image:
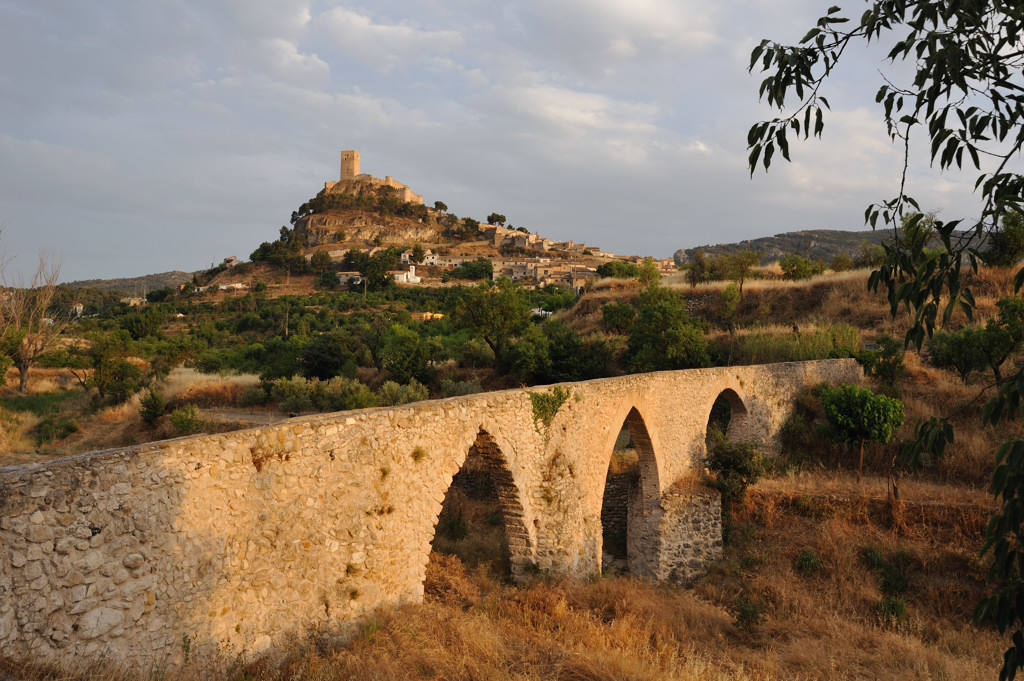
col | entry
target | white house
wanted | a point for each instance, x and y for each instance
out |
(403, 277)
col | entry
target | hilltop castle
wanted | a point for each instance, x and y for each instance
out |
(354, 182)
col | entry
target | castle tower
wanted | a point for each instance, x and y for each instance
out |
(349, 164)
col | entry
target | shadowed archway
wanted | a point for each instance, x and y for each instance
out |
(481, 519)
(727, 419)
(630, 503)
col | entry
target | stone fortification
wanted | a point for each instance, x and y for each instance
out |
(239, 540)
(352, 181)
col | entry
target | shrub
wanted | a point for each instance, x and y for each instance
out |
(797, 267)
(664, 336)
(342, 393)
(841, 262)
(618, 317)
(53, 428)
(749, 613)
(253, 395)
(152, 406)
(736, 466)
(885, 363)
(891, 608)
(392, 393)
(186, 420)
(808, 562)
(292, 394)
(453, 388)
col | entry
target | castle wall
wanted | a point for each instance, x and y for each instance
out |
(238, 540)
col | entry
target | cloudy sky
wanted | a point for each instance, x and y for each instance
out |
(138, 137)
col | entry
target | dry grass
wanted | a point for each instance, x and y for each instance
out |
(189, 385)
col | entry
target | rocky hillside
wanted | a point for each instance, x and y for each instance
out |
(131, 286)
(362, 225)
(820, 244)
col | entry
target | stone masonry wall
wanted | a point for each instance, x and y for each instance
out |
(239, 540)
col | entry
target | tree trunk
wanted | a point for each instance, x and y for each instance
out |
(22, 376)
(860, 461)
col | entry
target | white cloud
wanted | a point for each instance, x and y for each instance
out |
(578, 111)
(384, 46)
(284, 61)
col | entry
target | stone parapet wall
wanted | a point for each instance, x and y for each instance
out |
(239, 540)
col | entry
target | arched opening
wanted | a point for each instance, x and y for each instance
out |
(631, 494)
(481, 520)
(727, 418)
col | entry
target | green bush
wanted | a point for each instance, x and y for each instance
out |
(53, 428)
(808, 562)
(891, 608)
(841, 262)
(186, 420)
(885, 363)
(453, 388)
(664, 336)
(292, 394)
(252, 396)
(618, 317)
(797, 267)
(152, 406)
(392, 393)
(736, 466)
(342, 394)
(748, 612)
(618, 269)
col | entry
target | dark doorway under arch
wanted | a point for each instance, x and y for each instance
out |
(630, 498)
(481, 519)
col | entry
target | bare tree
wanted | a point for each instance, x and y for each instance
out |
(27, 329)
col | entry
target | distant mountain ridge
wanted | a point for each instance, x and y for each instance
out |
(820, 244)
(135, 286)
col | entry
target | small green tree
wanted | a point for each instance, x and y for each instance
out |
(664, 336)
(417, 254)
(647, 272)
(841, 262)
(152, 407)
(797, 267)
(858, 414)
(957, 350)
(440, 206)
(320, 262)
(739, 264)
(496, 219)
(494, 312)
(1006, 245)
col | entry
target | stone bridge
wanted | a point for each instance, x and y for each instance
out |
(239, 540)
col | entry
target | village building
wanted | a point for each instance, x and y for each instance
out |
(405, 277)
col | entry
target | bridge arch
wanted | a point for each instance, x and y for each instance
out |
(728, 414)
(484, 474)
(630, 505)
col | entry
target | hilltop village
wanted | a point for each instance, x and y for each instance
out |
(360, 213)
